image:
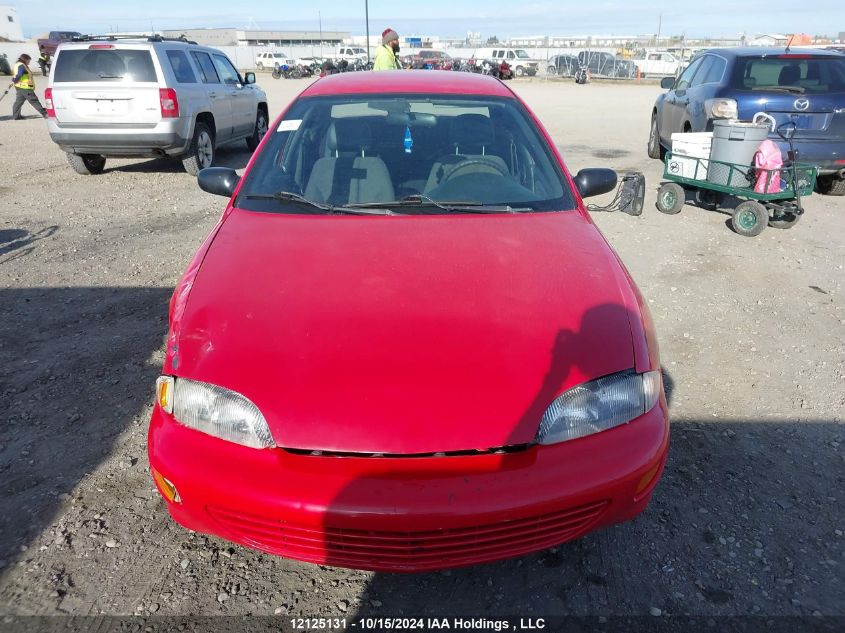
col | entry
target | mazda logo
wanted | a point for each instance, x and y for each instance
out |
(801, 104)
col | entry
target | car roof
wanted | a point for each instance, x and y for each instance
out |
(408, 82)
(766, 51)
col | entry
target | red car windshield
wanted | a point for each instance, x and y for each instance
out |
(359, 149)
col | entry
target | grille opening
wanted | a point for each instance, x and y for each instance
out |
(496, 450)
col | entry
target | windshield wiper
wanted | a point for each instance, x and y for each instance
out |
(289, 196)
(450, 206)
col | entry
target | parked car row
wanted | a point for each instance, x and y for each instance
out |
(597, 63)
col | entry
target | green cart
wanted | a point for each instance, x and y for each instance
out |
(779, 209)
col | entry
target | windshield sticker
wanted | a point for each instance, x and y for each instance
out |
(289, 126)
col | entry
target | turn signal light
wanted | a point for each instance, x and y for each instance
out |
(164, 393)
(166, 487)
(647, 478)
(169, 103)
(48, 102)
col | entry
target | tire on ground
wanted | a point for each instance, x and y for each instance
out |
(200, 154)
(655, 149)
(750, 218)
(87, 164)
(670, 198)
(830, 186)
(258, 131)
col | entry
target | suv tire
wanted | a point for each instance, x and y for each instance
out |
(201, 152)
(261, 126)
(655, 149)
(87, 164)
(519, 72)
(830, 186)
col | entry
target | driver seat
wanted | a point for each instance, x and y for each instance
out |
(471, 135)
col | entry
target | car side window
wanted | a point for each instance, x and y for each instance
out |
(716, 71)
(181, 67)
(207, 72)
(226, 71)
(511, 55)
(686, 77)
(703, 70)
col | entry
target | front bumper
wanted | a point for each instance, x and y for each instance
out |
(169, 136)
(409, 513)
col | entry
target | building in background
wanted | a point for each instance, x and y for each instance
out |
(769, 39)
(10, 26)
(244, 37)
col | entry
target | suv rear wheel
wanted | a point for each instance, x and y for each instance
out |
(830, 186)
(87, 164)
(201, 152)
(259, 131)
(520, 71)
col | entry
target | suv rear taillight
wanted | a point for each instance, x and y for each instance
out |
(169, 103)
(48, 101)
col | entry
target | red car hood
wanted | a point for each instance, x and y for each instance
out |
(412, 334)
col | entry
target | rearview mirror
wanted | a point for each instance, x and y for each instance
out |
(667, 83)
(249, 78)
(595, 181)
(221, 181)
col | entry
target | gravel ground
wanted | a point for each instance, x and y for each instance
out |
(747, 520)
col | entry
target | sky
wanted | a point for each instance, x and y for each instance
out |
(448, 18)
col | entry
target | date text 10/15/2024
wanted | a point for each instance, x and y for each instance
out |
(418, 624)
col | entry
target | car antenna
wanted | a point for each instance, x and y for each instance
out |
(789, 42)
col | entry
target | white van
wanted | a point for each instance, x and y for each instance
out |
(519, 60)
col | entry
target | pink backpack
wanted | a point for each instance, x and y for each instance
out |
(768, 158)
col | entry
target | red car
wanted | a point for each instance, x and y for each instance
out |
(405, 346)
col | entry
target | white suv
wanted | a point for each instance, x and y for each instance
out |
(113, 96)
(272, 60)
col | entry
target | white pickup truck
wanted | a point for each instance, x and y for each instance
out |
(348, 53)
(662, 63)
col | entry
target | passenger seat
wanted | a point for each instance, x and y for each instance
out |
(348, 175)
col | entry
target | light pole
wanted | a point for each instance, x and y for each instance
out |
(320, 20)
(367, 19)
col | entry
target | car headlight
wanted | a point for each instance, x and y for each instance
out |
(721, 108)
(599, 405)
(214, 410)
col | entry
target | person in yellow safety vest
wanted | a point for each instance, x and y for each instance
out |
(44, 63)
(386, 54)
(25, 88)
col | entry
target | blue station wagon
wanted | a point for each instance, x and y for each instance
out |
(802, 86)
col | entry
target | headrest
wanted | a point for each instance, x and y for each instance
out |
(348, 135)
(472, 129)
(789, 75)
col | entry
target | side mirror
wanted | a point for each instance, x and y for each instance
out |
(594, 182)
(249, 78)
(221, 181)
(667, 83)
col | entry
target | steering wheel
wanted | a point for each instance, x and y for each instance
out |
(473, 162)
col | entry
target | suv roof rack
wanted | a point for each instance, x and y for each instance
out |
(149, 38)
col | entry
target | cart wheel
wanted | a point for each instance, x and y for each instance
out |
(784, 221)
(750, 218)
(707, 199)
(670, 198)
